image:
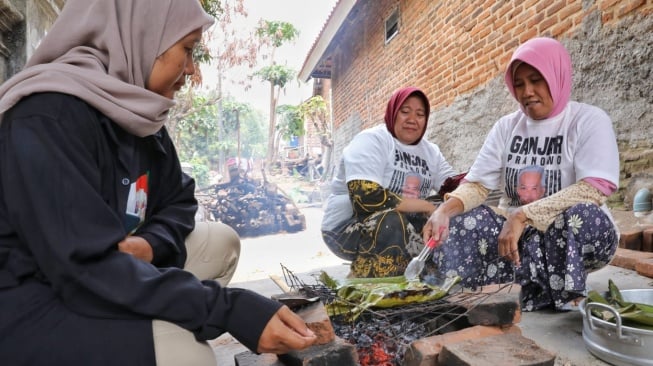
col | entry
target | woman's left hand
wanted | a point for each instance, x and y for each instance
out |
(138, 247)
(510, 234)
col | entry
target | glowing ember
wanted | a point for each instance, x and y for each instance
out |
(375, 355)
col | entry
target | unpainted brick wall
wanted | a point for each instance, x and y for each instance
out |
(456, 51)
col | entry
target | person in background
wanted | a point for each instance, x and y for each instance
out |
(368, 219)
(549, 245)
(531, 184)
(96, 215)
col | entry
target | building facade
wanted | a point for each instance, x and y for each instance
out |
(457, 52)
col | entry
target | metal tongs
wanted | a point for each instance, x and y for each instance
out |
(416, 265)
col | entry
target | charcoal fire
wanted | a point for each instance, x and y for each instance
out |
(383, 336)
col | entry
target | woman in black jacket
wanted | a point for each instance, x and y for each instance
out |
(95, 210)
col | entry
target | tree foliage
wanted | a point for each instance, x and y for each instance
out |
(244, 130)
(277, 75)
(315, 111)
(275, 34)
(290, 121)
(213, 7)
(195, 121)
(202, 133)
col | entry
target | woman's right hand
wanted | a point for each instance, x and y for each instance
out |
(284, 332)
(437, 226)
(510, 234)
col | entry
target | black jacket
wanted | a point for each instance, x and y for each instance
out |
(67, 296)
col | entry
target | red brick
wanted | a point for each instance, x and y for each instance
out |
(631, 239)
(626, 258)
(504, 349)
(645, 267)
(628, 6)
(491, 305)
(605, 4)
(424, 352)
(318, 321)
(647, 240)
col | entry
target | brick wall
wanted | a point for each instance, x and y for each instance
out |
(449, 48)
(456, 52)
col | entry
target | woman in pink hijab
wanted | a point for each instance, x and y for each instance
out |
(551, 244)
(378, 200)
(101, 262)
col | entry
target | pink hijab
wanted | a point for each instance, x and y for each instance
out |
(102, 51)
(552, 60)
(394, 104)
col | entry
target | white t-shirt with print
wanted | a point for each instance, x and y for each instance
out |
(576, 144)
(373, 154)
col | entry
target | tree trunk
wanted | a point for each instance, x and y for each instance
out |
(273, 102)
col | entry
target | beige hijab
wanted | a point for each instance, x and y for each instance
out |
(102, 51)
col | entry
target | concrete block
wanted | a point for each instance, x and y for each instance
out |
(503, 349)
(424, 352)
(626, 258)
(249, 358)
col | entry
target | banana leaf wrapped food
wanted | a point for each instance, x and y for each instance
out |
(358, 294)
(636, 315)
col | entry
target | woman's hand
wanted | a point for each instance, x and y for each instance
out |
(138, 247)
(437, 227)
(510, 234)
(284, 332)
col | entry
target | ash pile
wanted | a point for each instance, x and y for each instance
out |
(251, 207)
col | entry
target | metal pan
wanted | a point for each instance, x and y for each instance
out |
(614, 342)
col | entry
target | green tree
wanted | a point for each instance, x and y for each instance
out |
(274, 34)
(289, 123)
(316, 111)
(203, 134)
(223, 47)
(244, 126)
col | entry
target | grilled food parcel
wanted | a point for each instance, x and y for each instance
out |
(356, 295)
(636, 315)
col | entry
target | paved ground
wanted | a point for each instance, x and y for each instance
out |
(304, 254)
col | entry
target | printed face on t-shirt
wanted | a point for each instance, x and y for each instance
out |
(529, 187)
(411, 186)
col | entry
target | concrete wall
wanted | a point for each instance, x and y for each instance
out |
(23, 23)
(457, 51)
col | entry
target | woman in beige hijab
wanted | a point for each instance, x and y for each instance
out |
(95, 210)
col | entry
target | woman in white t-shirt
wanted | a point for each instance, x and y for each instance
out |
(548, 245)
(378, 205)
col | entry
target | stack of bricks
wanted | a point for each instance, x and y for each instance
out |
(635, 250)
(493, 338)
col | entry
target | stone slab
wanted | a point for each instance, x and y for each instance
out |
(425, 351)
(503, 349)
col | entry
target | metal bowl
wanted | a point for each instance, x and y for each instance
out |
(614, 342)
